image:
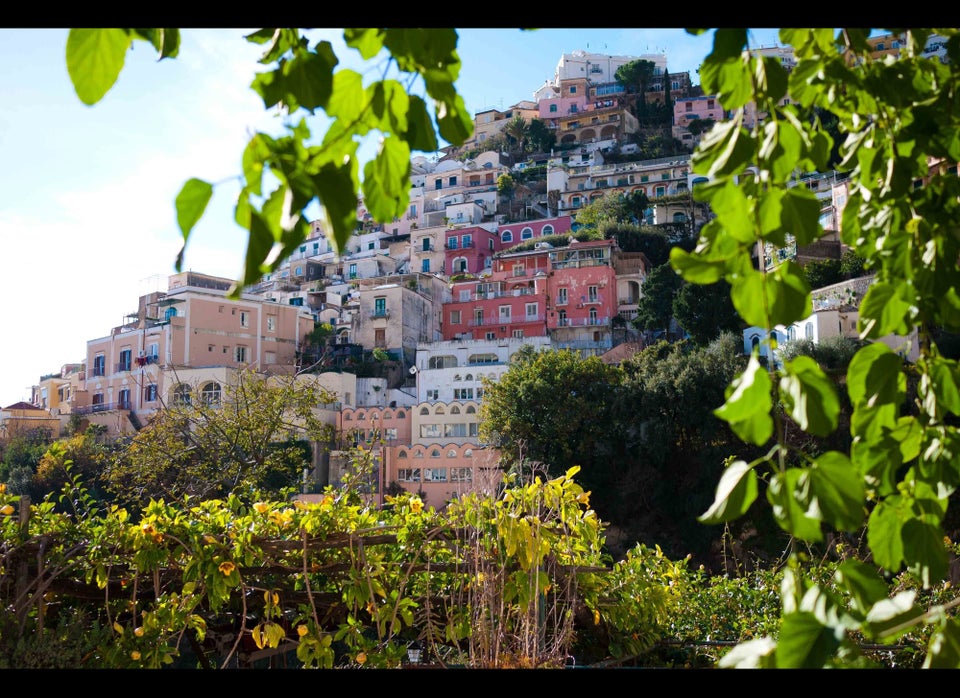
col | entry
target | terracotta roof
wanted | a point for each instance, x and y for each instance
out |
(22, 406)
(621, 352)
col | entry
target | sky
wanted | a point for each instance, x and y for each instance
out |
(87, 217)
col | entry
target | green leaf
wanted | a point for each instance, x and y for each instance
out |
(736, 491)
(883, 532)
(943, 374)
(95, 58)
(420, 133)
(874, 376)
(694, 268)
(752, 654)
(805, 643)
(886, 309)
(339, 199)
(733, 211)
(783, 293)
(809, 397)
(724, 150)
(190, 203)
(259, 244)
(801, 214)
(748, 404)
(862, 582)
(943, 649)
(838, 488)
(368, 42)
(386, 180)
(794, 509)
(923, 551)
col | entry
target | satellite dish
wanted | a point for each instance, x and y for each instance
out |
(413, 370)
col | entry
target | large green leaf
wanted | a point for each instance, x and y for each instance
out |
(190, 203)
(923, 551)
(890, 618)
(887, 309)
(874, 376)
(724, 150)
(805, 643)
(809, 396)
(748, 404)
(95, 58)
(733, 211)
(838, 488)
(801, 215)
(794, 509)
(736, 491)
(386, 180)
(759, 653)
(883, 532)
(943, 380)
(780, 297)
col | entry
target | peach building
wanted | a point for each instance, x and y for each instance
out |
(194, 325)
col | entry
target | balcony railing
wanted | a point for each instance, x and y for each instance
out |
(380, 314)
(583, 322)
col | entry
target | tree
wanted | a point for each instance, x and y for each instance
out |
(256, 436)
(895, 481)
(541, 136)
(517, 131)
(655, 306)
(520, 412)
(635, 76)
(706, 312)
(616, 207)
(822, 272)
(700, 126)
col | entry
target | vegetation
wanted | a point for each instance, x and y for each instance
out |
(863, 523)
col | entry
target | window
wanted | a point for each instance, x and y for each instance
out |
(490, 335)
(408, 475)
(467, 241)
(452, 243)
(125, 357)
(553, 108)
(240, 354)
(453, 181)
(562, 318)
(526, 233)
(435, 474)
(660, 191)
(352, 271)
(98, 398)
(150, 393)
(592, 296)
(562, 296)
(480, 359)
(99, 365)
(506, 236)
(123, 402)
(454, 317)
(433, 394)
(430, 431)
(271, 323)
(244, 319)
(380, 306)
(210, 393)
(573, 89)
(425, 265)
(478, 316)
(593, 316)
(461, 474)
(390, 433)
(461, 394)
(153, 352)
(181, 394)
(517, 334)
(547, 230)
(504, 313)
(531, 311)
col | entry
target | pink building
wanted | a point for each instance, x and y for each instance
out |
(192, 326)
(516, 233)
(469, 250)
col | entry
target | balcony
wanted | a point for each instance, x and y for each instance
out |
(380, 313)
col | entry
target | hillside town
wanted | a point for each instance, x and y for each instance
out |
(409, 324)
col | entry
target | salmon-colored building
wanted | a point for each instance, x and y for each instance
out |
(22, 418)
(132, 371)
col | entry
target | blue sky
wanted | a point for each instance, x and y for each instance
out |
(87, 217)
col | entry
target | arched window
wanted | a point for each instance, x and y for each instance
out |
(755, 342)
(387, 415)
(445, 361)
(526, 233)
(401, 414)
(680, 217)
(402, 454)
(471, 409)
(361, 416)
(435, 453)
(451, 453)
(506, 236)
(347, 417)
(468, 377)
(468, 453)
(454, 410)
(181, 394)
(547, 230)
(418, 454)
(210, 393)
(424, 410)
(440, 410)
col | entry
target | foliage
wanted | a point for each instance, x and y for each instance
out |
(655, 307)
(624, 208)
(832, 353)
(700, 126)
(896, 479)
(705, 312)
(541, 136)
(517, 133)
(81, 454)
(822, 272)
(500, 581)
(20, 458)
(520, 412)
(206, 448)
(506, 185)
